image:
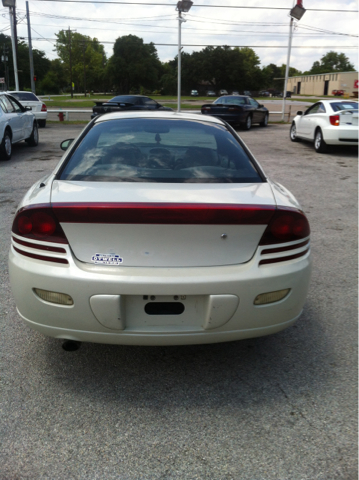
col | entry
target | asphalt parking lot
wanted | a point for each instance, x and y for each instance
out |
(282, 407)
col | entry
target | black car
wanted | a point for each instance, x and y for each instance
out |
(125, 103)
(238, 110)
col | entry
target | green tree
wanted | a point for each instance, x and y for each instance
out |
(87, 56)
(41, 63)
(331, 62)
(55, 80)
(133, 65)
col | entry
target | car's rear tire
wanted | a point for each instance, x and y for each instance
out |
(42, 123)
(6, 146)
(265, 121)
(293, 133)
(248, 123)
(319, 143)
(33, 140)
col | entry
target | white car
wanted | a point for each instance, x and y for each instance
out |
(328, 122)
(38, 107)
(194, 93)
(17, 123)
(158, 229)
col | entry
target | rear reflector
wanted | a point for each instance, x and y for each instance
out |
(283, 259)
(54, 297)
(271, 297)
(164, 213)
(41, 257)
(39, 246)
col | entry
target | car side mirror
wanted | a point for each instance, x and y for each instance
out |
(66, 143)
(260, 106)
(299, 112)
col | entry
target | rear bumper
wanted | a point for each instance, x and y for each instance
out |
(131, 325)
(40, 115)
(232, 119)
(341, 135)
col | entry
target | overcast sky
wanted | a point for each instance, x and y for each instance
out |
(265, 30)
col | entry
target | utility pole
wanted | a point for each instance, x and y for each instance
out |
(84, 44)
(72, 93)
(32, 74)
(5, 59)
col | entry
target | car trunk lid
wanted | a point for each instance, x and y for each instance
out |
(174, 226)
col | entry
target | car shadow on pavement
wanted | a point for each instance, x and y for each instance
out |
(234, 374)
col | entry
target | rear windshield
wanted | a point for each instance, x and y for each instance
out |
(160, 150)
(124, 99)
(25, 96)
(231, 100)
(337, 106)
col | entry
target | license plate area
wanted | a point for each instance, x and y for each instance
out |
(148, 312)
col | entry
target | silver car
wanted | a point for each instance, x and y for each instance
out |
(17, 123)
(158, 229)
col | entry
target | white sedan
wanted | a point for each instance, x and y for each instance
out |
(17, 123)
(328, 122)
(158, 229)
(38, 107)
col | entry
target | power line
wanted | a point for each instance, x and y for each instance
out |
(196, 5)
(209, 45)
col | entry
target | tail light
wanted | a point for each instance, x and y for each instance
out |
(44, 108)
(206, 108)
(234, 109)
(38, 223)
(334, 120)
(286, 225)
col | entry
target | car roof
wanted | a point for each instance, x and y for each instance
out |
(158, 115)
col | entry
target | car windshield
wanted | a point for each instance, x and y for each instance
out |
(25, 96)
(337, 106)
(231, 100)
(160, 150)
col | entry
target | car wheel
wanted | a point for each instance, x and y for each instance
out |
(248, 124)
(6, 146)
(293, 133)
(319, 143)
(265, 121)
(33, 140)
(42, 123)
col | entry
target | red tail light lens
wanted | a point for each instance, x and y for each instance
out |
(38, 223)
(334, 120)
(44, 108)
(234, 109)
(286, 225)
(206, 108)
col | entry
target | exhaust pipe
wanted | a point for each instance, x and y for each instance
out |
(71, 345)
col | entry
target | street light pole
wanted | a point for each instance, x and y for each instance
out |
(11, 4)
(296, 13)
(180, 20)
(182, 6)
(287, 67)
